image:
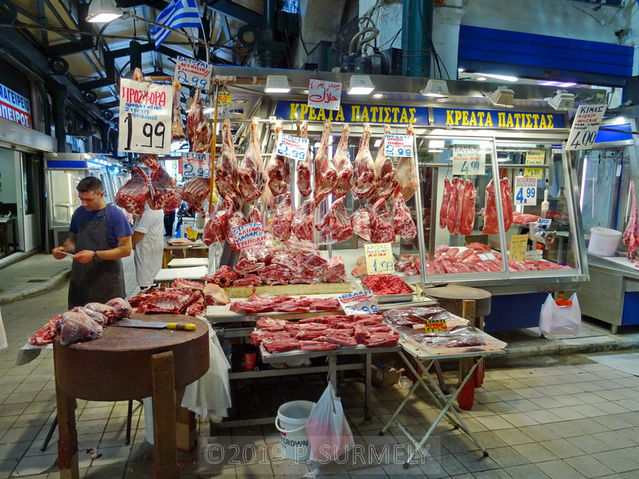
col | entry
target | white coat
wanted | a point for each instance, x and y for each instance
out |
(149, 250)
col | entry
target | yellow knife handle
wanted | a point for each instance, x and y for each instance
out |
(184, 326)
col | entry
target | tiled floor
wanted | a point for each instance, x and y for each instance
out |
(559, 417)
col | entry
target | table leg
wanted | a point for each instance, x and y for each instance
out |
(68, 436)
(163, 374)
(367, 387)
(186, 432)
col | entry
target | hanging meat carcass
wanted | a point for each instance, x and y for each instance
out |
(278, 169)
(402, 221)
(195, 192)
(451, 221)
(443, 210)
(336, 223)
(251, 171)
(281, 226)
(150, 161)
(460, 205)
(325, 173)
(361, 223)
(302, 225)
(235, 220)
(383, 228)
(364, 167)
(342, 163)
(166, 195)
(468, 209)
(304, 167)
(254, 215)
(406, 174)
(177, 126)
(631, 234)
(491, 225)
(506, 202)
(384, 172)
(226, 167)
(133, 194)
(197, 128)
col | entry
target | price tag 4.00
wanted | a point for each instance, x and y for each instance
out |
(360, 302)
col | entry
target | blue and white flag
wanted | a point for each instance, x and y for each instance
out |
(177, 14)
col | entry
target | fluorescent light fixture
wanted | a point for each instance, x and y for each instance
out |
(360, 85)
(377, 143)
(378, 95)
(461, 70)
(562, 100)
(436, 144)
(566, 84)
(549, 83)
(481, 78)
(508, 78)
(103, 11)
(502, 96)
(435, 151)
(277, 84)
(435, 89)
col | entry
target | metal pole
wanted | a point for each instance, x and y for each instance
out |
(418, 214)
(417, 25)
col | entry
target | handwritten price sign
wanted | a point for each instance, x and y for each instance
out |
(468, 161)
(398, 145)
(250, 234)
(535, 157)
(292, 147)
(379, 258)
(195, 165)
(435, 325)
(525, 191)
(361, 302)
(324, 94)
(145, 117)
(585, 126)
(193, 73)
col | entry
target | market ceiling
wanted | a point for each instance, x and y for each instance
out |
(97, 54)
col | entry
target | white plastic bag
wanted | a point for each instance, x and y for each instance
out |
(328, 431)
(555, 320)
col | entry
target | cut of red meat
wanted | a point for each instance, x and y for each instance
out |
(248, 280)
(247, 265)
(506, 202)
(226, 167)
(250, 173)
(381, 340)
(382, 284)
(278, 170)
(99, 318)
(260, 335)
(517, 265)
(150, 161)
(277, 345)
(73, 327)
(224, 276)
(304, 167)
(385, 180)
(336, 223)
(339, 340)
(177, 126)
(270, 324)
(443, 210)
(324, 304)
(215, 227)
(364, 167)
(166, 195)
(383, 229)
(334, 272)
(281, 226)
(316, 346)
(196, 126)
(187, 283)
(460, 205)
(108, 311)
(274, 274)
(195, 192)
(523, 218)
(325, 173)
(235, 220)
(361, 223)
(342, 162)
(406, 174)
(254, 215)
(468, 209)
(133, 194)
(302, 224)
(196, 309)
(491, 226)
(452, 207)
(479, 247)
(403, 222)
(46, 334)
(630, 235)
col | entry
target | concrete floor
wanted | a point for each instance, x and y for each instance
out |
(539, 415)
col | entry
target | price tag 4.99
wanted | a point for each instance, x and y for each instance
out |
(468, 161)
(525, 191)
(292, 147)
(360, 302)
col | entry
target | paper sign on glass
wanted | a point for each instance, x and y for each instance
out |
(398, 145)
(379, 258)
(360, 302)
(535, 157)
(292, 147)
(195, 165)
(518, 244)
(468, 161)
(585, 127)
(324, 94)
(193, 72)
(525, 191)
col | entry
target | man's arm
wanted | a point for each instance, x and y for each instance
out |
(137, 237)
(67, 247)
(122, 250)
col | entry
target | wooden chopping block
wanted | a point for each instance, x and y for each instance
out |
(451, 297)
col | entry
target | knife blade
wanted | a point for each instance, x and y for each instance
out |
(137, 323)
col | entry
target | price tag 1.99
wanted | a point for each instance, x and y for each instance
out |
(398, 145)
(324, 94)
(145, 117)
(379, 258)
(468, 161)
(360, 302)
(525, 191)
(195, 165)
(292, 147)
(193, 72)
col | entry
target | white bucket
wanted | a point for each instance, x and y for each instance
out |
(291, 423)
(603, 241)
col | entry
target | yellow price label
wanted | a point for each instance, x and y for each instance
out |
(191, 233)
(379, 258)
(535, 157)
(435, 325)
(518, 245)
(224, 99)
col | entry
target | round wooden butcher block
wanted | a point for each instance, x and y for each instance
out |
(452, 295)
(117, 366)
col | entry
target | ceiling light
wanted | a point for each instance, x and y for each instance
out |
(435, 89)
(496, 76)
(436, 144)
(566, 84)
(562, 100)
(277, 84)
(481, 78)
(360, 85)
(502, 96)
(549, 83)
(103, 11)
(379, 95)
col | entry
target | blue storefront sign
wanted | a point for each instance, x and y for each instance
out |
(353, 113)
(497, 119)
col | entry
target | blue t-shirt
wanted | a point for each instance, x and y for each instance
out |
(116, 224)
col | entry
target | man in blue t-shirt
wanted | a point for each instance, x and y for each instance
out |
(99, 236)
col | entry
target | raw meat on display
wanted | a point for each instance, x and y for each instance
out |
(223, 277)
(109, 312)
(73, 327)
(383, 229)
(491, 226)
(304, 167)
(251, 171)
(166, 195)
(406, 173)
(99, 318)
(195, 192)
(443, 210)
(187, 283)
(452, 207)
(215, 295)
(467, 219)
(383, 284)
(409, 264)
(460, 205)
(197, 128)
(364, 167)
(342, 162)
(317, 346)
(46, 334)
(361, 223)
(334, 272)
(281, 226)
(216, 224)
(385, 180)
(277, 345)
(254, 215)
(524, 218)
(336, 223)
(247, 281)
(177, 126)
(403, 223)
(121, 306)
(226, 166)
(302, 224)
(133, 194)
(506, 202)
(278, 169)
(235, 220)
(325, 173)
(630, 235)
(150, 161)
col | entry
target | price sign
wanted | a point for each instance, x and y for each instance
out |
(398, 145)
(518, 244)
(324, 94)
(435, 325)
(486, 256)
(250, 234)
(585, 126)
(193, 72)
(468, 161)
(525, 191)
(145, 117)
(535, 157)
(360, 302)
(195, 165)
(379, 258)
(292, 147)
(544, 223)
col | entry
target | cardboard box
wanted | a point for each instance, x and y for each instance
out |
(384, 377)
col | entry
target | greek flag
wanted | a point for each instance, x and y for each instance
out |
(177, 14)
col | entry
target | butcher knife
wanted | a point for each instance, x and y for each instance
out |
(137, 323)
